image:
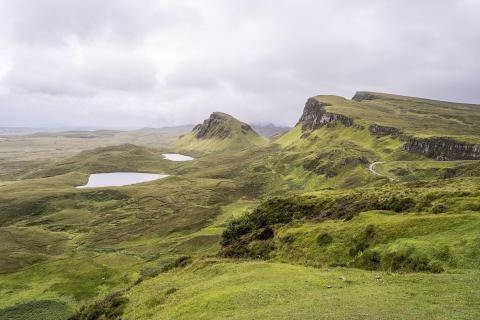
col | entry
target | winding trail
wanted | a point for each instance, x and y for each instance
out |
(371, 168)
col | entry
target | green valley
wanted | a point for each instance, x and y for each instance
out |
(299, 225)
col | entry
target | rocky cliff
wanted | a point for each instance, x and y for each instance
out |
(378, 130)
(363, 95)
(442, 148)
(315, 116)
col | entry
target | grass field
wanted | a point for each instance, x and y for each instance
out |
(257, 290)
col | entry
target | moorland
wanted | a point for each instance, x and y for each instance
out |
(369, 208)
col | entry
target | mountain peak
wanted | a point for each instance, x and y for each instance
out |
(220, 126)
(219, 132)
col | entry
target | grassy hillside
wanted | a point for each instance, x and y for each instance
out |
(415, 116)
(249, 290)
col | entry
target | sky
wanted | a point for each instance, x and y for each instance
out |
(119, 63)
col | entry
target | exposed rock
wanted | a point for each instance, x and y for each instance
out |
(315, 116)
(438, 148)
(215, 126)
(363, 95)
(442, 148)
(378, 130)
(246, 128)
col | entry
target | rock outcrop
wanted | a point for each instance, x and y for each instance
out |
(363, 95)
(218, 126)
(315, 116)
(378, 130)
(442, 148)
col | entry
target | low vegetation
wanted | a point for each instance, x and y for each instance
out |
(290, 228)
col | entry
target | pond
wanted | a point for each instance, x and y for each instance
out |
(176, 157)
(117, 179)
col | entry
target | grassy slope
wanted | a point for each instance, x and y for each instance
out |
(251, 290)
(449, 240)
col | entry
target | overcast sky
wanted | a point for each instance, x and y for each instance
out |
(117, 63)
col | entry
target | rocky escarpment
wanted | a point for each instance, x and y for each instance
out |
(438, 148)
(315, 116)
(219, 126)
(378, 130)
(363, 95)
(442, 148)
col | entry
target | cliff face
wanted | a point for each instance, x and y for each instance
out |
(363, 95)
(442, 148)
(315, 116)
(378, 130)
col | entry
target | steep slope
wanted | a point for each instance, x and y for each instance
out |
(220, 132)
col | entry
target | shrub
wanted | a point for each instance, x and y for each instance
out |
(111, 307)
(439, 208)
(370, 260)
(408, 260)
(260, 249)
(324, 239)
(363, 241)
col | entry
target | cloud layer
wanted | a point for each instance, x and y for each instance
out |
(154, 63)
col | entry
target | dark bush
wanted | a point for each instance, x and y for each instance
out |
(363, 241)
(439, 208)
(260, 249)
(111, 307)
(401, 204)
(408, 260)
(265, 233)
(370, 260)
(443, 253)
(324, 239)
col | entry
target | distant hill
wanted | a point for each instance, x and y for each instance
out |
(220, 132)
(269, 130)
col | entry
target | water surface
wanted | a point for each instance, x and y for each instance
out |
(176, 157)
(117, 179)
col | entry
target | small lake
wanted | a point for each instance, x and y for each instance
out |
(118, 179)
(176, 157)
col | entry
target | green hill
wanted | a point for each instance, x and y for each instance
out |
(218, 133)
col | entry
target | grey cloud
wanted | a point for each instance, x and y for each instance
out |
(171, 62)
(53, 72)
(53, 21)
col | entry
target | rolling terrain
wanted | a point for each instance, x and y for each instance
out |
(295, 226)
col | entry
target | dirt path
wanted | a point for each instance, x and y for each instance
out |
(371, 168)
